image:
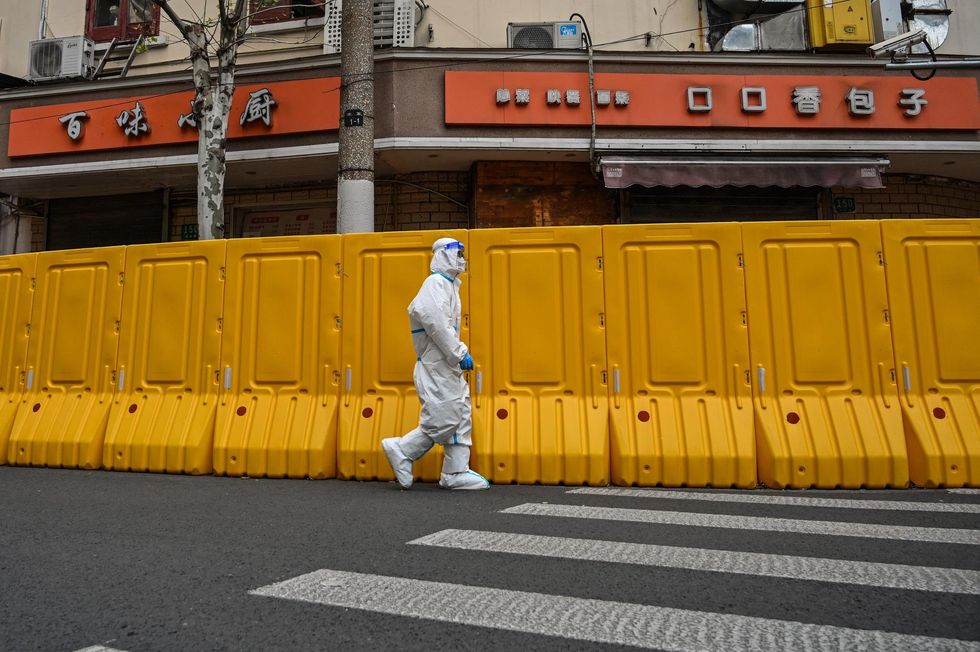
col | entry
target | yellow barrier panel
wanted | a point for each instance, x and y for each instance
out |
(382, 274)
(933, 270)
(163, 411)
(71, 359)
(541, 412)
(16, 299)
(280, 347)
(826, 407)
(678, 356)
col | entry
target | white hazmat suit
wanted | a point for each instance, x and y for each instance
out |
(441, 356)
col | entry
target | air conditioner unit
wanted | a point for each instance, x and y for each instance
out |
(545, 36)
(394, 24)
(60, 58)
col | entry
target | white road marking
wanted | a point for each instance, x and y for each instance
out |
(833, 528)
(793, 501)
(896, 576)
(964, 490)
(98, 648)
(582, 619)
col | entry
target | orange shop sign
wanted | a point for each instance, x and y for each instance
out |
(289, 107)
(706, 101)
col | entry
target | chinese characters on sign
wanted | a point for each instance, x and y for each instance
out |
(259, 107)
(805, 99)
(73, 123)
(133, 122)
(522, 97)
(187, 119)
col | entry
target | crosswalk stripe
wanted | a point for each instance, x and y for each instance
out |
(596, 621)
(896, 576)
(864, 530)
(793, 501)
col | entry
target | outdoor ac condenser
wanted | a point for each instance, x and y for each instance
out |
(60, 58)
(545, 36)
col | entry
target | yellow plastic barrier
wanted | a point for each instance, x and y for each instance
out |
(541, 412)
(382, 274)
(826, 407)
(163, 412)
(71, 359)
(16, 299)
(681, 411)
(934, 293)
(280, 348)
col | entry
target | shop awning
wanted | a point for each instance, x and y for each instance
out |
(719, 171)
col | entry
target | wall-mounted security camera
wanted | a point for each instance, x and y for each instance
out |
(897, 43)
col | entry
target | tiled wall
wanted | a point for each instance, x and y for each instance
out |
(913, 197)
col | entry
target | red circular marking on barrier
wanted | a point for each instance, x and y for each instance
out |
(939, 413)
(643, 416)
(501, 413)
(37, 406)
(793, 418)
(132, 408)
(367, 412)
(241, 411)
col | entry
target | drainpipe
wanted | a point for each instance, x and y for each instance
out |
(43, 25)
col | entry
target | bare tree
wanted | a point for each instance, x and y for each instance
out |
(213, 57)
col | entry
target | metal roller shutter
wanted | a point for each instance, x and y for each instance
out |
(105, 221)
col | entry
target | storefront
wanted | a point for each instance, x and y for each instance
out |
(478, 139)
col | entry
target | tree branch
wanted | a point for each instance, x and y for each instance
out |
(181, 26)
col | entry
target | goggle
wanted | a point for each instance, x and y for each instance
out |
(458, 246)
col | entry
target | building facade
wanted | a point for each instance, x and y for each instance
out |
(485, 120)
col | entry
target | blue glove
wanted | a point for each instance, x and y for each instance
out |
(466, 364)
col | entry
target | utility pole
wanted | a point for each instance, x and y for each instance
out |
(355, 157)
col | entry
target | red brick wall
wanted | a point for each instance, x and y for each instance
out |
(914, 197)
(522, 193)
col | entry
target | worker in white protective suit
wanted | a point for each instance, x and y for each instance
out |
(441, 358)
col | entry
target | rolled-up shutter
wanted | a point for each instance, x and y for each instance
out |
(105, 221)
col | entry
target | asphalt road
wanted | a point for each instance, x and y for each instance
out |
(142, 562)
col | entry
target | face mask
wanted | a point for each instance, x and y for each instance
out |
(458, 261)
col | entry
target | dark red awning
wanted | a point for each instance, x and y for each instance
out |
(718, 171)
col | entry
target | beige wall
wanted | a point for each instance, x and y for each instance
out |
(20, 21)
(476, 23)
(964, 28)
(455, 24)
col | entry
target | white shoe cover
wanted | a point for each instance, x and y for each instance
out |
(470, 480)
(400, 463)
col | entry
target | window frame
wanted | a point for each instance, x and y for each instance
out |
(124, 30)
(282, 12)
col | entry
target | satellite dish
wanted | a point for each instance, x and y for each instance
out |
(931, 16)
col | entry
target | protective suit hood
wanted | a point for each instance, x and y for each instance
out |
(447, 261)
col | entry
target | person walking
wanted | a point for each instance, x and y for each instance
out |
(441, 359)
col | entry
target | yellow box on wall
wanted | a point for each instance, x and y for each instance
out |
(840, 23)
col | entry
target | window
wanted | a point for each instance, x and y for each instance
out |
(274, 11)
(121, 19)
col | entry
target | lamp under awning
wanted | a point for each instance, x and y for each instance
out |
(716, 172)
